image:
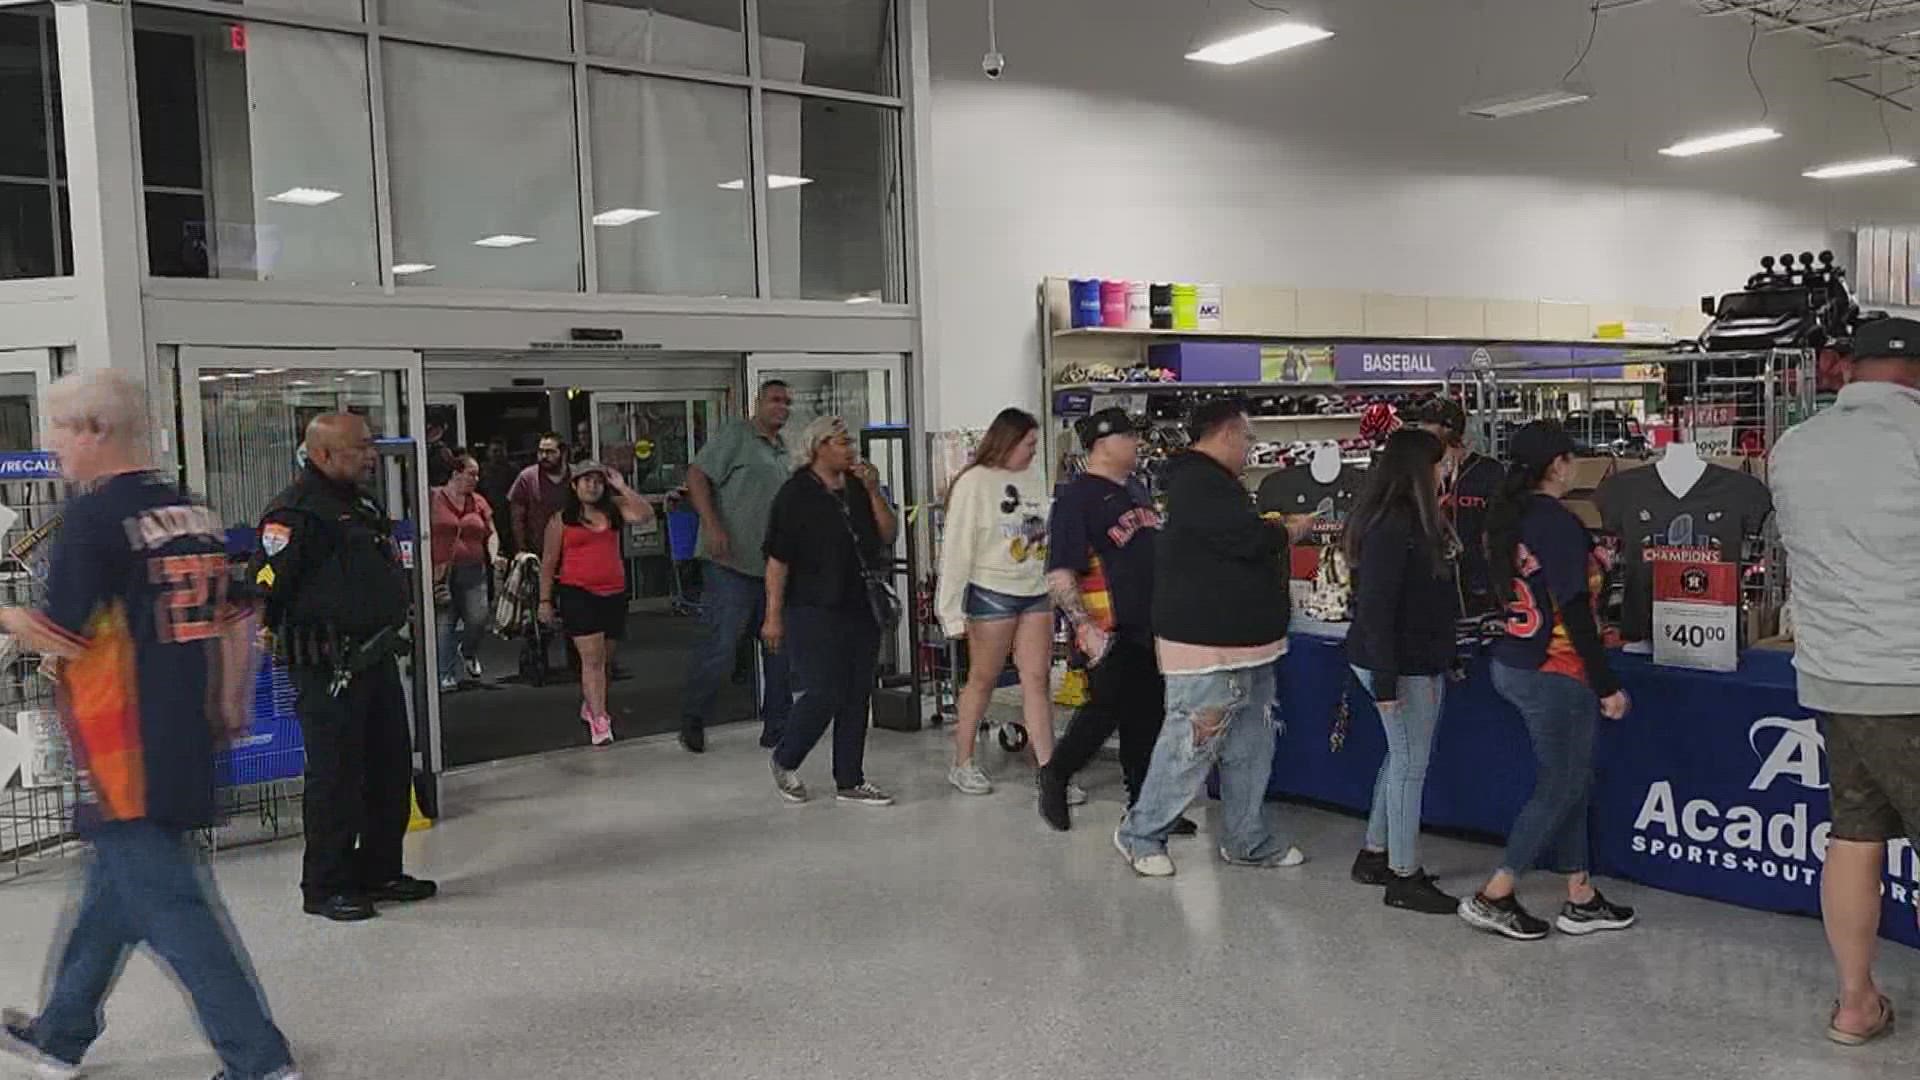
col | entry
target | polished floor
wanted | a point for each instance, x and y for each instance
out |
(642, 913)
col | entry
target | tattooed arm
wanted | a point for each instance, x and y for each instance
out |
(1065, 589)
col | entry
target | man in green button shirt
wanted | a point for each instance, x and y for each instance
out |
(732, 483)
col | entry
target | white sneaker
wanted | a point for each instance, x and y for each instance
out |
(473, 667)
(1293, 856)
(1076, 795)
(791, 789)
(969, 779)
(1144, 865)
(14, 1046)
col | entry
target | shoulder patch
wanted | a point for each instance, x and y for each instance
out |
(275, 537)
(264, 578)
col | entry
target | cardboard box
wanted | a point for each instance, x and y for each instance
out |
(1584, 509)
(1208, 361)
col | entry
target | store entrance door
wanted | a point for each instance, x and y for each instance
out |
(243, 418)
(23, 378)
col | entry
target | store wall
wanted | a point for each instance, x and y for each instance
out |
(1347, 164)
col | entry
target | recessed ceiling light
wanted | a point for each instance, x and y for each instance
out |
(1252, 46)
(625, 215)
(209, 378)
(863, 299)
(1870, 167)
(238, 374)
(301, 382)
(269, 371)
(1531, 101)
(503, 240)
(304, 196)
(1726, 140)
(775, 181)
(403, 269)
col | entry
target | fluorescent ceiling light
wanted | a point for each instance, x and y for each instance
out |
(775, 181)
(503, 240)
(1727, 140)
(209, 378)
(1872, 166)
(624, 215)
(304, 196)
(1531, 101)
(863, 299)
(1273, 39)
(403, 269)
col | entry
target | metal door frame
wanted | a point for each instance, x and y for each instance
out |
(406, 378)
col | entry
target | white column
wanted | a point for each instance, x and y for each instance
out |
(103, 183)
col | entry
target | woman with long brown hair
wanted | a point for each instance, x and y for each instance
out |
(993, 587)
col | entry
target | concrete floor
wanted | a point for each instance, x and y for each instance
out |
(642, 913)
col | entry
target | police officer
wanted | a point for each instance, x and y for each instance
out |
(337, 602)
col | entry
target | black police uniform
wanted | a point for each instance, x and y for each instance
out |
(336, 599)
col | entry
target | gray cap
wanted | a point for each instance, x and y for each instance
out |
(588, 468)
(1887, 339)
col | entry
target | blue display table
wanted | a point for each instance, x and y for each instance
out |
(1713, 786)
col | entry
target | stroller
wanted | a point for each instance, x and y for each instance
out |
(516, 614)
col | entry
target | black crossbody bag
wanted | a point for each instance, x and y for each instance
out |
(882, 601)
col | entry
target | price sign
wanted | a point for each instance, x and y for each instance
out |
(1696, 613)
(1711, 428)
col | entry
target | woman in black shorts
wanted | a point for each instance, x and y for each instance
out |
(583, 579)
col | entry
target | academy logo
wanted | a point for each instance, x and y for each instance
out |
(1799, 752)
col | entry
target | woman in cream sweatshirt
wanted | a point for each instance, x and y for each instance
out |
(993, 586)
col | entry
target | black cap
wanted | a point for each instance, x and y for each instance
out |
(1887, 339)
(1442, 411)
(1538, 444)
(1107, 422)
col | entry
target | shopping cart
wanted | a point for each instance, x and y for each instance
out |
(683, 546)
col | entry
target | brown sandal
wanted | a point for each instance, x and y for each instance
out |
(1862, 1038)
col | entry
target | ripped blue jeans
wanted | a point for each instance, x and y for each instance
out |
(1215, 719)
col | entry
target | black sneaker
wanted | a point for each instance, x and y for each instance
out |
(1370, 868)
(403, 890)
(1594, 916)
(1184, 826)
(1504, 917)
(694, 739)
(1053, 799)
(341, 908)
(16, 1044)
(1417, 892)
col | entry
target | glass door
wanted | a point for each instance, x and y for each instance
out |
(24, 375)
(650, 438)
(243, 420)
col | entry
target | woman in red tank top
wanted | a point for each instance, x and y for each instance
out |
(583, 579)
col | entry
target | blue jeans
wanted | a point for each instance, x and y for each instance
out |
(1394, 824)
(462, 625)
(1216, 719)
(148, 885)
(735, 604)
(833, 655)
(1563, 718)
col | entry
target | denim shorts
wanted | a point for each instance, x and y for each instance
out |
(985, 605)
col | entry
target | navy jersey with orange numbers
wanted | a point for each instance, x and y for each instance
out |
(137, 584)
(1557, 564)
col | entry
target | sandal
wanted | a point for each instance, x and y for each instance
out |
(1862, 1038)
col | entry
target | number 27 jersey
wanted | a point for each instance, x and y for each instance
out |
(1558, 564)
(137, 591)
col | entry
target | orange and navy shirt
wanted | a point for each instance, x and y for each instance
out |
(1558, 564)
(137, 583)
(1103, 533)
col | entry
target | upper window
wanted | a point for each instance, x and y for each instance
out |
(256, 150)
(834, 200)
(545, 25)
(35, 239)
(706, 35)
(846, 45)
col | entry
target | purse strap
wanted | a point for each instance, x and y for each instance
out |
(846, 518)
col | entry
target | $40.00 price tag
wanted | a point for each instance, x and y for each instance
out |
(1696, 614)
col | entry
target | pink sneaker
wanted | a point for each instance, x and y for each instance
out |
(601, 729)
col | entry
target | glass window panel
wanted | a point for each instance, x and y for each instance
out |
(481, 154)
(26, 231)
(23, 99)
(834, 209)
(254, 421)
(18, 393)
(289, 148)
(177, 235)
(704, 34)
(844, 44)
(66, 231)
(673, 214)
(349, 10)
(167, 68)
(528, 24)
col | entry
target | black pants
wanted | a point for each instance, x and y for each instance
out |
(1125, 693)
(359, 779)
(831, 655)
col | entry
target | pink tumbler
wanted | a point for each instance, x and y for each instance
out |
(1113, 303)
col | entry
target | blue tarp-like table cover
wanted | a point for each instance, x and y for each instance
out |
(1713, 786)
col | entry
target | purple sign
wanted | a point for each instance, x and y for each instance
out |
(1414, 362)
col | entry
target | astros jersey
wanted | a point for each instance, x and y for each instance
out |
(1712, 518)
(1557, 565)
(137, 582)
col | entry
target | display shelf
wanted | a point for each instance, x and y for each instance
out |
(1326, 387)
(1094, 332)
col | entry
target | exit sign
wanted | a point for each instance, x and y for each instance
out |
(237, 37)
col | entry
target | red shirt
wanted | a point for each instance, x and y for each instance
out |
(590, 560)
(460, 531)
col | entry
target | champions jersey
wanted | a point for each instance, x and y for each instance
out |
(1556, 564)
(137, 585)
(1709, 522)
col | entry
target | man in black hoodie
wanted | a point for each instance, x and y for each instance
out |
(1220, 615)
